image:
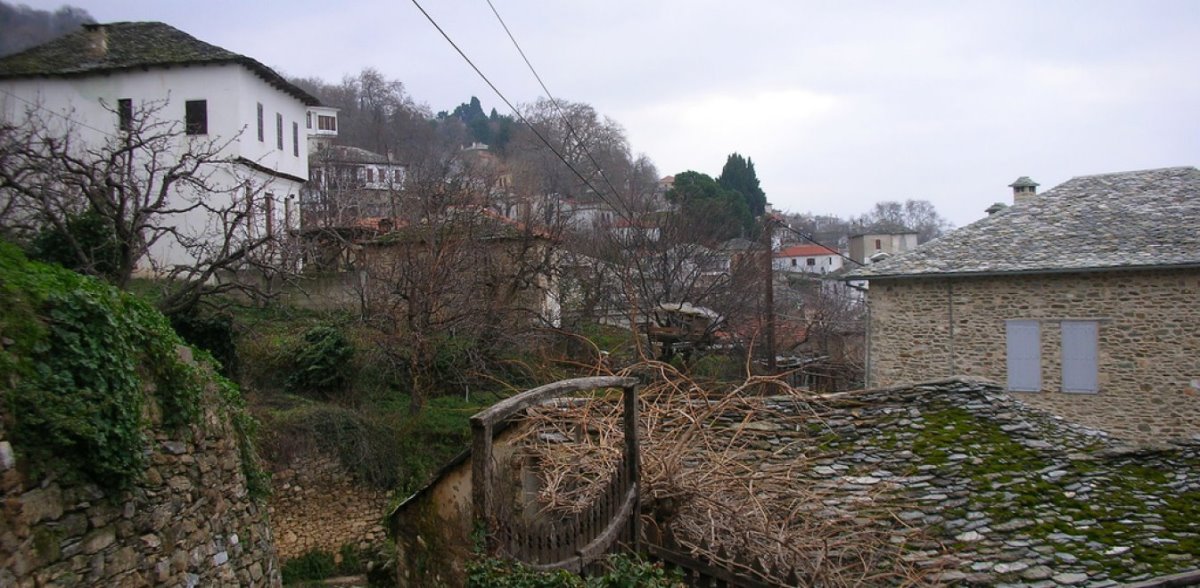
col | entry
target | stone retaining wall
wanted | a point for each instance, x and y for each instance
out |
(1149, 341)
(188, 522)
(316, 505)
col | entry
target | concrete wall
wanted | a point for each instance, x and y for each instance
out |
(1149, 341)
(188, 522)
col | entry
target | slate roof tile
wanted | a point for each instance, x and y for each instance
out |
(1138, 219)
(118, 46)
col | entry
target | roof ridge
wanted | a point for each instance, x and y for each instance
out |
(1137, 171)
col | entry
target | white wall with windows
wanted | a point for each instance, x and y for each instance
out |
(220, 103)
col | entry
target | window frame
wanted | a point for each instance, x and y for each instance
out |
(125, 114)
(195, 117)
(279, 131)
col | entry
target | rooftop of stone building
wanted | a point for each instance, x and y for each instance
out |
(965, 483)
(1127, 220)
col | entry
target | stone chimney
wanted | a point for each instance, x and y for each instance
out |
(997, 207)
(97, 40)
(1023, 189)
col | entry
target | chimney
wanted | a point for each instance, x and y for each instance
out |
(1023, 189)
(97, 40)
(997, 207)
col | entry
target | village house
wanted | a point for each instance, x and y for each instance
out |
(94, 83)
(347, 184)
(1082, 300)
(866, 247)
(812, 259)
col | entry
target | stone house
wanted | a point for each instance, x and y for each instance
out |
(892, 241)
(1082, 300)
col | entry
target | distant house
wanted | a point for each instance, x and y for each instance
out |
(1084, 300)
(95, 81)
(866, 247)
(813, 259)
(347, 184)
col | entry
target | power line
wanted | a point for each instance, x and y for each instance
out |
(815, 242)
(524, 120)
(58, 114)
(554, 101)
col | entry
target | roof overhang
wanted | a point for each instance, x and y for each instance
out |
(1030, 272)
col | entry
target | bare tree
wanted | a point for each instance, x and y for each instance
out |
(453, 274)
(136, 188)
(914, 215)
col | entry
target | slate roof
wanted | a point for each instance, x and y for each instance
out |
(347, 154)
(123, 46)
(1128, 220)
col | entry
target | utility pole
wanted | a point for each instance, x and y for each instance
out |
(769, 293)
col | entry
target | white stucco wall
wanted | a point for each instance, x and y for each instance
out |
(86, 106)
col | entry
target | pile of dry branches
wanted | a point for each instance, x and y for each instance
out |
(715, 483)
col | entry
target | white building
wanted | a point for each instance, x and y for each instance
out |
(813, 259)
(91, 83)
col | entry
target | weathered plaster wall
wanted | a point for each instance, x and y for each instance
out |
(188, 522)
(1149, 341)
(315, 504)
(433, 527)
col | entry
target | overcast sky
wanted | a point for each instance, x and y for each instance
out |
(839, 104)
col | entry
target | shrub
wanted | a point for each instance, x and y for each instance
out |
(322, 364)
(93, 233)
(313, 565)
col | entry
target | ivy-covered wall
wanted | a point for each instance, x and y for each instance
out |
(124, 461)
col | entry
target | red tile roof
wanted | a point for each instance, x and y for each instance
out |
(805, 251)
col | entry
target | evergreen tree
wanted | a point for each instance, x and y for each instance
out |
(716, 212)
(738, 174)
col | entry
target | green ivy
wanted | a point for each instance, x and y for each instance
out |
(322, 363)
(77, 361)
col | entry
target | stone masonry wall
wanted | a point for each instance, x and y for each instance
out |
(315, 504)
(188, 522)
(1149, 341)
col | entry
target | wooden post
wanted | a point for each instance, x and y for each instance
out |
(632, 460)
(481, 481)
(769, 268)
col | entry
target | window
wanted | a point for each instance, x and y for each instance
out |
(279, 131)
(261, 136)
(1080, 357)
(878, 244)
(793, 262)
(396, 176)
(810, 261)
(296, 139)
(195, 119)
(1024, 355)
(370, 174)
(326, 123)
(308, 120)
(125, 114)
